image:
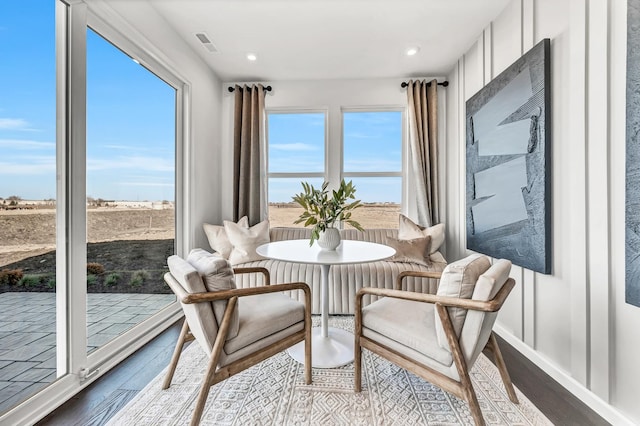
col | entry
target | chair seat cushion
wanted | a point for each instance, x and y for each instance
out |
(263, 315)
(409, 324)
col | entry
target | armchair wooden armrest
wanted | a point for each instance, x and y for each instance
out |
(489, 306)
(421, 274)
(249, 270)
(209, 296)
(241, 292)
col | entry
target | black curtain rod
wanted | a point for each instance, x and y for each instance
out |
(232, 89)
(443, 84)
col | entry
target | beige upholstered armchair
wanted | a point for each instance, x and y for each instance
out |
(439, 337)
(237, 328)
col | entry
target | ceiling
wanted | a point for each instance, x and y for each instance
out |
(330, 39)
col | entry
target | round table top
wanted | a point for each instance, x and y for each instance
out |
(349, 251)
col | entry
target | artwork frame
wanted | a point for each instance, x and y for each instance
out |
(508, 163)
(632, 162)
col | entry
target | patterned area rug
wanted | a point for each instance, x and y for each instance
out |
(274, 393)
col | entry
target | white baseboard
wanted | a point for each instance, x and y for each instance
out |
(597, 404)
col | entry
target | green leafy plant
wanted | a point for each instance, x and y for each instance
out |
(138, 278)
(112, 279)
(92, 279)
(29, 281)
(51, 282)
(322, 208)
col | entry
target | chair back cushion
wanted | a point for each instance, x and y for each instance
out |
(217, 275)
(199, 316)
(478, 325)
(459, 280)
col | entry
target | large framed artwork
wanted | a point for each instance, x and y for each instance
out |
(632, 222)
(508, 209)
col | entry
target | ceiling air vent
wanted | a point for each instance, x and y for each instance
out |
(204, 39)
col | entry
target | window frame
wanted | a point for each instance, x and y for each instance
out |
(404, 161)
(334, 152)
(75, 368)
(286, 110)
(121, 346)
(401, 173)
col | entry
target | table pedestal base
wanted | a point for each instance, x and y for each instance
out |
(326, 352)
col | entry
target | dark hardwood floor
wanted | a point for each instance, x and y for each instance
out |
(555, 402)
(103, 398)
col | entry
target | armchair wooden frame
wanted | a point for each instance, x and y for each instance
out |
(215, 374)
(463, 388)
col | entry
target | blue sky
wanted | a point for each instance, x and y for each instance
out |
(130, 124)
(130, 114)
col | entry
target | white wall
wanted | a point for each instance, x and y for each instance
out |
(202, 191)
(326, 95)
(573, 323)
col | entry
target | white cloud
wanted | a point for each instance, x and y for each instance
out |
(26, 144)
(136, 163)
(298, 146)
(133, 148)
(168, 185)
(14, 124)
(361, 135)
(120, 147)
(29, 166)
(372, 165)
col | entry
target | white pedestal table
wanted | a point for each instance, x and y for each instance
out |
(330, 347)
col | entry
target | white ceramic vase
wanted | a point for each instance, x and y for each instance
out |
(329, 239)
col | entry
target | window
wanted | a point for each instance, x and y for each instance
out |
(296, 152)
(27, 200)
(372, 159)
(371, 149)
(130, 191)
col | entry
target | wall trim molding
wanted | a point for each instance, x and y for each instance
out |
(604, 409)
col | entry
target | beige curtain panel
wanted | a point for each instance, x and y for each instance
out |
(249, 173)
(422, 98)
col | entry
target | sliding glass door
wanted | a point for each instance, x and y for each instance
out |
(27, 199)
(90, 149)
(130, 191)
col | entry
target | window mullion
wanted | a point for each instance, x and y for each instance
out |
(76, 191)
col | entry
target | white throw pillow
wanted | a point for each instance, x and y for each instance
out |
(246, 240)
(408, 230)
(218, 239)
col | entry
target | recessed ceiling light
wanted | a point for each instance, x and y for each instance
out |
(251, 56)
(412, 51)
(136, 61)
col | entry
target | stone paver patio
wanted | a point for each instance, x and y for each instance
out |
(28, 334)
